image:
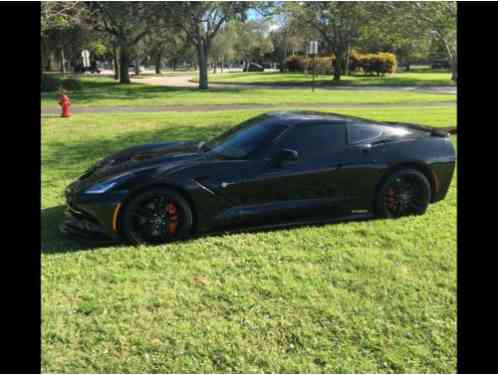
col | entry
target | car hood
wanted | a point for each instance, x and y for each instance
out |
(144, 156)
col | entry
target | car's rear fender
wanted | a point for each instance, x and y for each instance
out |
(434, 157)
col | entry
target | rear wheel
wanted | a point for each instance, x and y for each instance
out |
(405, 192)
(156, 216)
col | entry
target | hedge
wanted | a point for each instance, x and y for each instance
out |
(371, 63)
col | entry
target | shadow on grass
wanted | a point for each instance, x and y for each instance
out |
(54, 242)
(362, 81)
(358, 79)
(80, 155)
(97, 91)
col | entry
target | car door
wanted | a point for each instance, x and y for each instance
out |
(299, 189)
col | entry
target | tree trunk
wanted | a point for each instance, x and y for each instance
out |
(116, 63)
(454, 69)
(452, 59)
(63, 62)
(203, 65)
(339, 60)
(286, 53)
(124, 62)
(346, 62)
(49, 62)
(407, 66)
(158, 63)
(137, 66)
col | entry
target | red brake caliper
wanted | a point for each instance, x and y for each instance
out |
(172, 218)
(391, 199)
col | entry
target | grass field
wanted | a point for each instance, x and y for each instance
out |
(372, 296)
(416, 78)
(105, 92)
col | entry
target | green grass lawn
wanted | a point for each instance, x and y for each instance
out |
(372, 296)
(164, 73)
(105, 92)
(416, 78)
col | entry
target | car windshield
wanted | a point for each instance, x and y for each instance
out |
(246, 138)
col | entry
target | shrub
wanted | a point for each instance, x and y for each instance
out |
(390, 62)
(72, 84)
(322, 65)
(295, 64)
(50, 83)
(373, 63)
(355, 61)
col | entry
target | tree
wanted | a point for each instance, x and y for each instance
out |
(390, 33)
(201, 21)
(59, 14)
(166, 42)
(127, 23)
(438, 19)
(252, 41)
(412, 26)
(60, 23)
(339, 25)
(222, 47)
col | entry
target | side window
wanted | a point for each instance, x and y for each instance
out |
(362, 132)
(315, 140)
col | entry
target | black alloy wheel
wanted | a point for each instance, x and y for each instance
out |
(405, 192)
(156, 216)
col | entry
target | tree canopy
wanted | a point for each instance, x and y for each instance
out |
(211, 31)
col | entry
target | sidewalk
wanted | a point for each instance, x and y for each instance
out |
(55, 112)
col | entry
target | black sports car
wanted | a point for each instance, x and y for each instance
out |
(272, 170)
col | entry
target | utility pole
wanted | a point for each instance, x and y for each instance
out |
(313, 50)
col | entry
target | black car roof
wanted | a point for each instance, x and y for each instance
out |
(298, 117)
(306, 117)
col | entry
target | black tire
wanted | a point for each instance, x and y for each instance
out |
(144, 216)
(404, 192)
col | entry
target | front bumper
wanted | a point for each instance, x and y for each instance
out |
(82, 226)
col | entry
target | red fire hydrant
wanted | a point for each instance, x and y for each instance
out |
(65, 103)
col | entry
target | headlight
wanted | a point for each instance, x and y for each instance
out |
(101, 187)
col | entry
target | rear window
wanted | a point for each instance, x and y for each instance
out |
(363, 132)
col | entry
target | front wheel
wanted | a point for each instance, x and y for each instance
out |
(405, 192)
(156, 216)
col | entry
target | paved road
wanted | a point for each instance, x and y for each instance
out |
(55, 112)
(184, 81)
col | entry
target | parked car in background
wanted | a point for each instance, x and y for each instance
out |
(440, 64)
(79, 68)
(253, 67)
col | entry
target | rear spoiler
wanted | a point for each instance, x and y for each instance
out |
(435, 132)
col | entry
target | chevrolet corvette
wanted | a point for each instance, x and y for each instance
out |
(276, 169)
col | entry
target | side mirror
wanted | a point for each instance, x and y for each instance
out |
(285, 155)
